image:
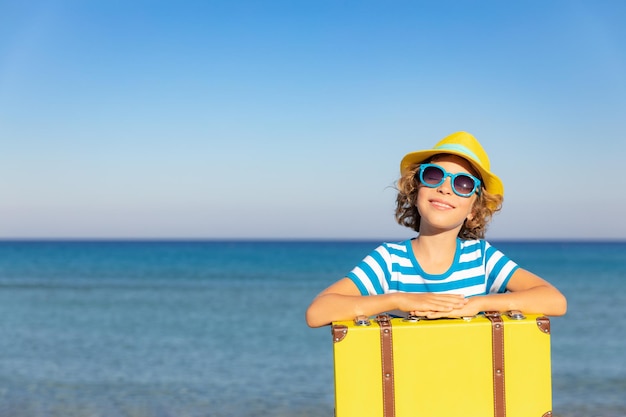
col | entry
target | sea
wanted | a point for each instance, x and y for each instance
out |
(217, 329)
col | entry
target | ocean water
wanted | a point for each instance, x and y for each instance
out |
(198, 329)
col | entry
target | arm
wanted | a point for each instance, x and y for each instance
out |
(343, 301)
(527, 292)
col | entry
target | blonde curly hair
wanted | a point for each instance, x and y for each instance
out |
(485, 206)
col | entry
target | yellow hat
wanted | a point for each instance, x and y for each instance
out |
(466, 146)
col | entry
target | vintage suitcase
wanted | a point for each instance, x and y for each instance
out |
(489, 365)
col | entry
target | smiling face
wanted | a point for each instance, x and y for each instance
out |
(440, 208)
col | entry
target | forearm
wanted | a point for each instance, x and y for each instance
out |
(330, 307)
(541, 299)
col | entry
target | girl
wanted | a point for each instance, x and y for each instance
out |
(447, 194)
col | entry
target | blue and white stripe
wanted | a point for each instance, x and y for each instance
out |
(478, 269)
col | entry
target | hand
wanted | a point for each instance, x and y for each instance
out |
(470, 309)
(421, 304)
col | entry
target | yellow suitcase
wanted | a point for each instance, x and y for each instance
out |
(489, 365)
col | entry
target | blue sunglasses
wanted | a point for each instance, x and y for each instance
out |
(463, 184)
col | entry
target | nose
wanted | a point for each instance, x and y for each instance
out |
(446, 186)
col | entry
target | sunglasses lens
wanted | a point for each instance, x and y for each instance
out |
(464, 184)
(432, 175)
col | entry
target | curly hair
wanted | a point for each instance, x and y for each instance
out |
(485, 206)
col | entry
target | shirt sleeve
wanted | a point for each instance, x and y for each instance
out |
(499, 269)
(371, 275)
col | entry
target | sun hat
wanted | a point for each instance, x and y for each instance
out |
(466, 146)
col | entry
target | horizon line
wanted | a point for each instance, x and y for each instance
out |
(293, 239)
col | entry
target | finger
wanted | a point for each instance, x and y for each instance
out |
(440, 314)
(449, 298)
(421, 313)
(444, 305)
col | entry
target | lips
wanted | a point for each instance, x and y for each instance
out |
(441, 204)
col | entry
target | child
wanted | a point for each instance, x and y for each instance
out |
(447, 194)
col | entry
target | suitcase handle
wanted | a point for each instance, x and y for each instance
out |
(513, 314)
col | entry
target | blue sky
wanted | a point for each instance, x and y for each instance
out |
(288, 119)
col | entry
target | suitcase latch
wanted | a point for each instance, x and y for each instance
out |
(362, 321)
(516, 315)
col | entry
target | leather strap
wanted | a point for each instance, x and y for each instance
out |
(386, 351)
(497, 344)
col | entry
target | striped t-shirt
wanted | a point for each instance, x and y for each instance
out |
(478, 269)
